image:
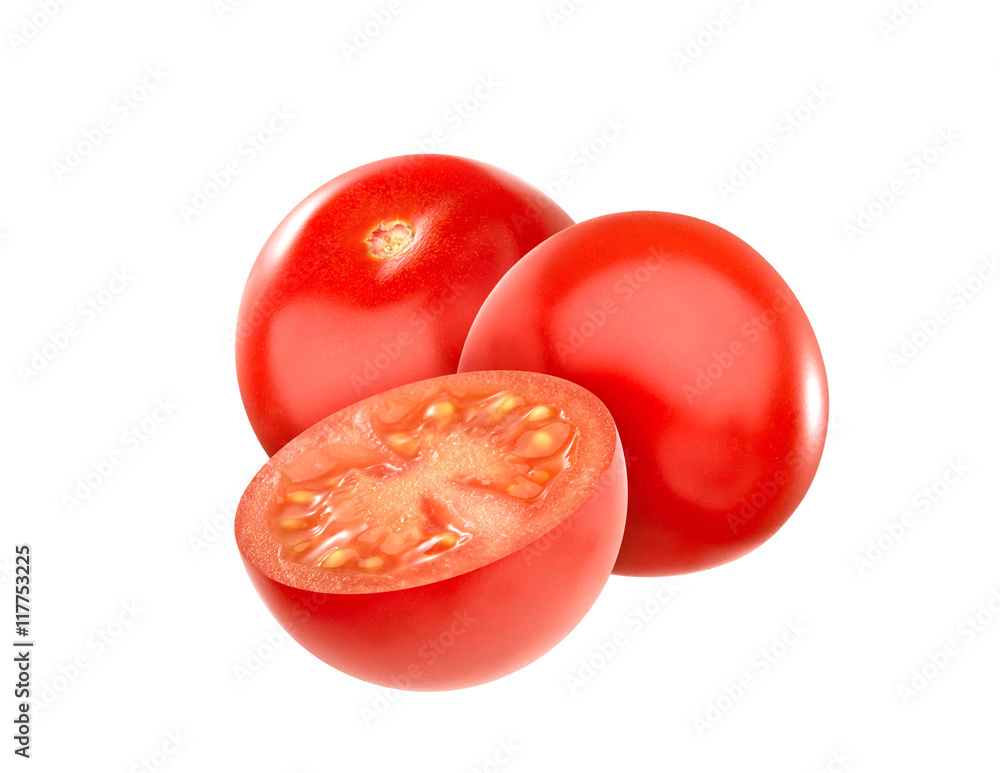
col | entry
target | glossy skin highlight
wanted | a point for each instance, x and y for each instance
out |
(704, 357)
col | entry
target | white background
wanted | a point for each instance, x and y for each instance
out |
(193, 659)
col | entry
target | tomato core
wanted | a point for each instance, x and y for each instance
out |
(388, 239)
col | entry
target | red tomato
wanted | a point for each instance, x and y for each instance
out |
(373, 281)
(705, 359)
(442, 534)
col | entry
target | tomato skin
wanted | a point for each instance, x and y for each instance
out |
(471, 628)
(455, 625)
(704, 357)
(322, 324)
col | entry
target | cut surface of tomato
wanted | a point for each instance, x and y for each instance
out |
(448, 476)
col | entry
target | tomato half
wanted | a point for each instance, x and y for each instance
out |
(705, 359)
(372, 282)
(442, 534)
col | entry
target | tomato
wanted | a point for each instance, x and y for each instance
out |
(705, 359)
(372, 282)
(441, 534)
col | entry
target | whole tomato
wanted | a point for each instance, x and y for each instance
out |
(704, 357)
(372, 282)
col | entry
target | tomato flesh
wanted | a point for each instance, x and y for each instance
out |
(445, 491)
(450, 475)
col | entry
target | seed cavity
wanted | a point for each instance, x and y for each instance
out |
(371, 535)
(522, 488)
(542, 442)
(540, 412)
(440, 413)
(404, 444)
(339, 557)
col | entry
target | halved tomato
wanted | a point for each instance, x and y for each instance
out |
(441, 534)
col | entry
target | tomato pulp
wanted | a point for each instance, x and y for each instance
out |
(372, 282)
(704, 357)
(441, 534)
